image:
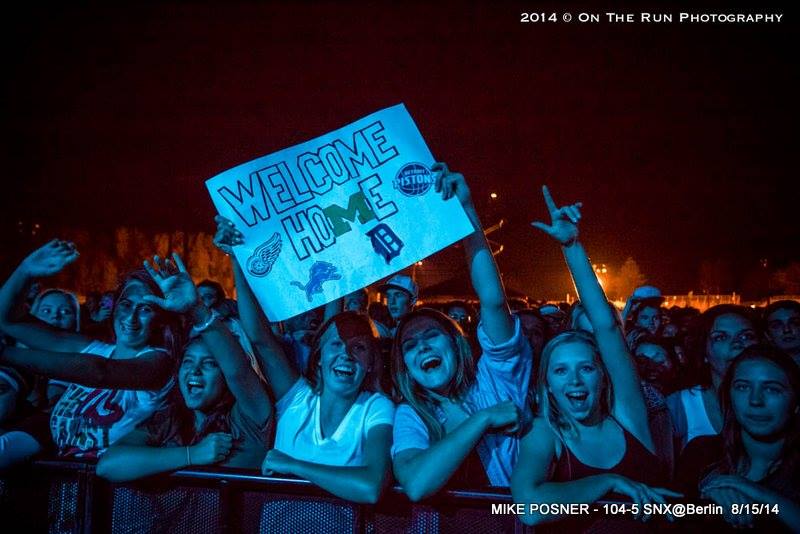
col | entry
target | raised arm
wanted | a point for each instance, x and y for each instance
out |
(423, 472)
(495, 314)
(269, 351)
(131, 458)
(45, 261)
(180, 296)
(629, 407)
(362, 484)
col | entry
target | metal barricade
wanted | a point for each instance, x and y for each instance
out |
(63, 497)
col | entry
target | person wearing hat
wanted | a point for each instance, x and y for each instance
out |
(401, 296)
(554, 317)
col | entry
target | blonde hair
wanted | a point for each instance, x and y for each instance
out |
(73, 300)
(547, 407)
(408, 390)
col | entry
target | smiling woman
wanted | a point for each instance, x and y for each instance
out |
(591, 439)
(334, 426)
(128, 379)
(220, 412)
(458, 420)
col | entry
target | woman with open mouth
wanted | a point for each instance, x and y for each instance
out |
(591, 437)
(334, 426)
(112, 387)
(458, 420)
(219, 414)
(757, 482)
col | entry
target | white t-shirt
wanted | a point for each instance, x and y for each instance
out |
(299, 432)
(85, 421)
(689, 417)
(503, 373)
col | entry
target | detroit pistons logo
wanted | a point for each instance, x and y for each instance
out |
(413, 179)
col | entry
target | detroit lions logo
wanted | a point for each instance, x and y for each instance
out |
(319, 273)
(264, 256)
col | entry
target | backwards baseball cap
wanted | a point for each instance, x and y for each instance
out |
(401, 281)
(550, 309)
(647, 293)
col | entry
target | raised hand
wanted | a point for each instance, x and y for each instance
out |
(563, 225)
(50, 259)
(212, 449)
(180, 295)
(227, 235)
(451, 184)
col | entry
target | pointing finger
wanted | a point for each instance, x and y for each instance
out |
(548, 200)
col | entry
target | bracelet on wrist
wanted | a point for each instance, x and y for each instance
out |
(199, 328)
(570, 242)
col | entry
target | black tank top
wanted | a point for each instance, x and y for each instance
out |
(637, 464)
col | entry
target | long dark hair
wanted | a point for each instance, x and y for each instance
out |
(175, 422)
(735, 459)
(697, 372)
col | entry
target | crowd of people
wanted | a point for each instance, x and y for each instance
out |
(563, 404)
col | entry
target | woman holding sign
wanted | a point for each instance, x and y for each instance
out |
(334, 426)
(458, 420)
(591, 437)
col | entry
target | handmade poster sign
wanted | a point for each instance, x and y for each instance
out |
(337, 213)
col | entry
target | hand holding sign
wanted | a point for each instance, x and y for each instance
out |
(451, 184)
(227, 235)
(324, 218)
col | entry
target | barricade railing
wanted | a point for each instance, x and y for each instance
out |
(66, 497)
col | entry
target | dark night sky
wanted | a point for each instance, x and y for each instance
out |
(678, 138)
